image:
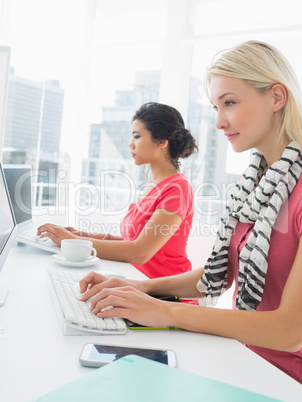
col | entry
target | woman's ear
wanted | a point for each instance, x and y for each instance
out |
(279, 93)
(163, 144)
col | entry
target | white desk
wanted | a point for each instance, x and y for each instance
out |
(35, 357)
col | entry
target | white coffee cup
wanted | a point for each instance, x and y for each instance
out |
(77, 250)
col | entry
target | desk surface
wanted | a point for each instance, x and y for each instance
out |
(35, 356)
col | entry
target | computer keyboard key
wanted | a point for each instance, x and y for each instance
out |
(110, 324)
(119, 322)
(101, 325)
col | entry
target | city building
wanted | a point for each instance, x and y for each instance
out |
(32, 129)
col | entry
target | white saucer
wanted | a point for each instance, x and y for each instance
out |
(62, 260)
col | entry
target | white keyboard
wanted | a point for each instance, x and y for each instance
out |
(75, 316)
(28, 235)
(29, 229)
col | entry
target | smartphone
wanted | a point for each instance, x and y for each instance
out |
(95, 355)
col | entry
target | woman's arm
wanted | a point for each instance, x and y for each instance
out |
(182, 285)
(280, 329)
(157, 231)
(100, 236)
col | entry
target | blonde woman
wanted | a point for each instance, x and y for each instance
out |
(258, 102)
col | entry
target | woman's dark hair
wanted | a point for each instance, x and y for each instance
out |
(165, 123)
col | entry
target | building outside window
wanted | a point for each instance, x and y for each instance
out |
(80, 69)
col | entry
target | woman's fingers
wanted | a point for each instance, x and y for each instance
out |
(91, 280)
(47, 227)
(130, 303)
(54, 232)
(94, 283)
(116, 297)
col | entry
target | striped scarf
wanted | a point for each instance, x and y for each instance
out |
(257, 198)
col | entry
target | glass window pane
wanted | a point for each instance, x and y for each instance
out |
(75, 67)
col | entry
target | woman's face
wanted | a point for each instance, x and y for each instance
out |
(246, 115)
(143, 149)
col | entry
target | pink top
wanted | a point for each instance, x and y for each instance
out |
(284, 243)
(173, 194)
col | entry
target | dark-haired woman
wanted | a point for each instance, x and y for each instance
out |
(156, 228)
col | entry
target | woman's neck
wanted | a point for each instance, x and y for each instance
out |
(162, 172)
(275, 151)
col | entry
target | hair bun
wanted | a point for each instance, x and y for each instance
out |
(182, 144)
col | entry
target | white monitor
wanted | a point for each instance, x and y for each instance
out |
(8, 228)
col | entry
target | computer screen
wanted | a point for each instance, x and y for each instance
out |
(18, 179)
(8, 227)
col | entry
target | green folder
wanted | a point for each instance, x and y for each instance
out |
(133, 378)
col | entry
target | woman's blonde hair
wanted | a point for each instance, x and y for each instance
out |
(262, 66)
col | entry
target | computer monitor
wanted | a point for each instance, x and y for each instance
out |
(8, 228)
(18, 180)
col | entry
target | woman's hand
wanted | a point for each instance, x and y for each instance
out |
(127, 298)
(55, 233)
(93, 283)
(134, 305)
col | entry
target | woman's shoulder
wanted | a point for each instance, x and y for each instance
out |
(175, 178)
(175, 182)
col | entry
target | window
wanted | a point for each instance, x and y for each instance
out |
(79, 70)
